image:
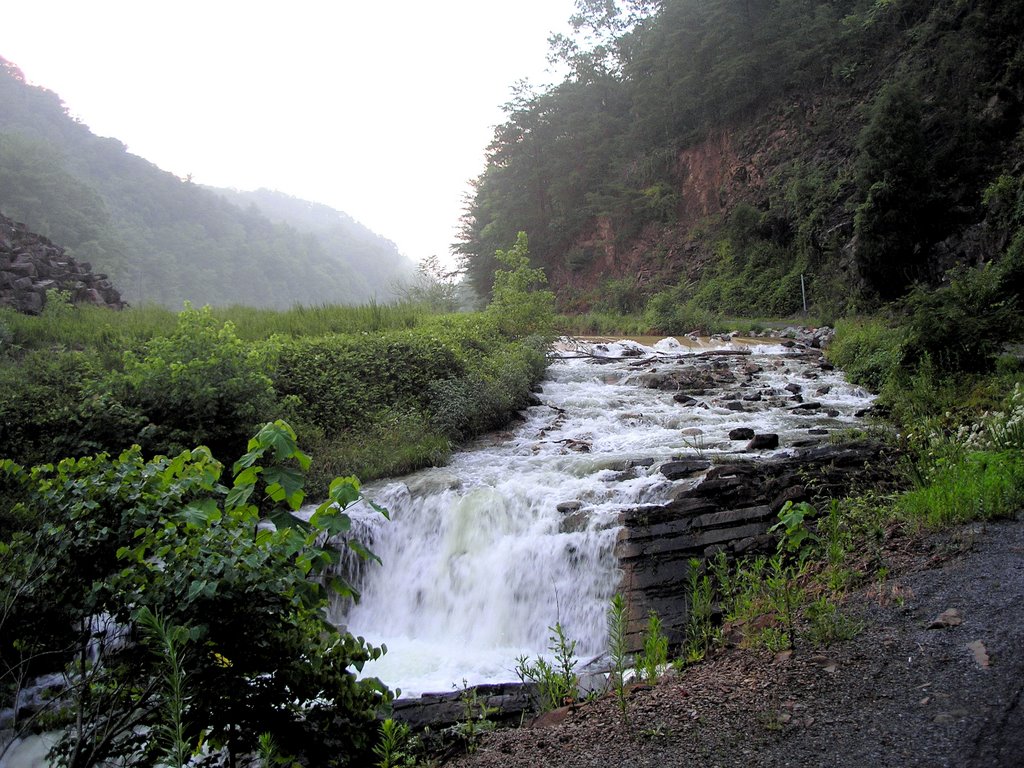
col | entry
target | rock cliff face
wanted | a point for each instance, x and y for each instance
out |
(31, 265)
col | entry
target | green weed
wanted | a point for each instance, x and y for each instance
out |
(617, 622)
(978, 486)
(556, 680)
(700, 631)
(655, 650)
(394, 748)
(476, 718)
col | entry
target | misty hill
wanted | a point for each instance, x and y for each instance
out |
(371, 256)
(163, 239)
(720, 149)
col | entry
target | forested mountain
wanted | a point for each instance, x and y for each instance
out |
(377, 260)
(163, 239)
(722, 148)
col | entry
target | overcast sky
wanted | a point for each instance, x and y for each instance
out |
(381, 109)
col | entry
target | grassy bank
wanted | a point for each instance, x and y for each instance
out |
(372, 391)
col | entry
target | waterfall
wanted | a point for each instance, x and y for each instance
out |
(482, 556)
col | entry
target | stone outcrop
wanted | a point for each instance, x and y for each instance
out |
(31, 265)
(730, 510)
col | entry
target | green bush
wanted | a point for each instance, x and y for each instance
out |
(377, 403)
(46, 405)
(672, 312)
(868, 350)
(622, 296)
(962, 326)
(336, 381)
(119, 540)
(386, 444)
(201, 385)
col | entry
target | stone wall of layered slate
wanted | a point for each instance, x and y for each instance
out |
(729, 510)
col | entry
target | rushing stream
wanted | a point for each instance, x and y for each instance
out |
(482, 556)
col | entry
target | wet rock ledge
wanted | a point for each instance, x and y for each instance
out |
(730, 510)
(506, 703)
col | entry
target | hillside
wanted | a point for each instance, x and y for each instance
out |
(721, 150)
(369, 254)
(165, 240)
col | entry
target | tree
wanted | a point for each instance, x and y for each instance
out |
(892, 174)
(519, 305)
(434, 286)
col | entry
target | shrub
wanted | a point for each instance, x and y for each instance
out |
(868, 350)
(119, 541)
(45, 408)
(519, 306)
(336, 381)
(672, 312)
(962, 326)
(202, 385)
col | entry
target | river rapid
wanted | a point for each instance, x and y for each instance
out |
(481, 557)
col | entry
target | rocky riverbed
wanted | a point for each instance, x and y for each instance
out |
(634, 458)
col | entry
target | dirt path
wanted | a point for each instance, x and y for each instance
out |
(900, 694)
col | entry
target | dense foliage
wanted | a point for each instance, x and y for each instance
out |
(742, 145)
(154, 592)
(375, 391)
(177, 615)
(163, 239)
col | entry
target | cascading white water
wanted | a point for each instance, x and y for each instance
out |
(481, 557)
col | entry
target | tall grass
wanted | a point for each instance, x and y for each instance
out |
(597, 323)
(85, 327)
(979, 486)
(323, 320)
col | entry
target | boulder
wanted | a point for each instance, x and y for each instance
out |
(684, 400)
(574, 522)
(680, 468)
(763, 442)
(805, 408)
(741, 433)
(509, 701)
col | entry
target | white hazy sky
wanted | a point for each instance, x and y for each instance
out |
(380, 109)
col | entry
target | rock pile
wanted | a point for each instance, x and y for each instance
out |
(31, 265)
